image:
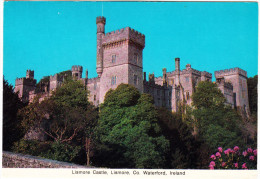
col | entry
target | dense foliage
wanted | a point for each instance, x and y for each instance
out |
(128, 132)
(183, 147)
(11, 123)
(252, 94)
(217, 123)
(234, 159)
(67, 118)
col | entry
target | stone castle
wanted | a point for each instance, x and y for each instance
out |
(120, 60)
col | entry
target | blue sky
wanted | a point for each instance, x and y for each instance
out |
(49, 37)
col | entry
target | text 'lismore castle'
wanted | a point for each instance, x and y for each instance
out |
(120, 60)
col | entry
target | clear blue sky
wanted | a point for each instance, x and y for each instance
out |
(50, 37)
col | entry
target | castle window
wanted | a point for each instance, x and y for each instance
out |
(94, 97)
(95, 86)
(113, 80)
(187, 79)
(113, 58)
(172, 82)
(135, 79)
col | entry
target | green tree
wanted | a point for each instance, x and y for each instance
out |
(11, 123)
(66, 117)
(128, 132)
(207, 95)
(218, 124)
(252, 94)
(183, 146)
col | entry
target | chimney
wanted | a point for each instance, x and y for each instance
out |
(177, 64)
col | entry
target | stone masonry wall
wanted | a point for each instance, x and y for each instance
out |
(14, 160)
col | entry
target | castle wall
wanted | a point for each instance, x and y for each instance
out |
(24, 86)
(93, 86)
(135, 72)
(16, 160)
(238, 78)
(160, 94)
(121, 74)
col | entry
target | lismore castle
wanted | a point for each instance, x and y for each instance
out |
(120, 60)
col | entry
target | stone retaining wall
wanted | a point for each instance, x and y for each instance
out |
(15, 160)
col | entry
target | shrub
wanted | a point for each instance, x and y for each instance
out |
(234, 159)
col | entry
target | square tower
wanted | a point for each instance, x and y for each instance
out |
(122, 56)
(238, 78)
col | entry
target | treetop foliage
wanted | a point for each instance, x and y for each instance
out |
(128, 131)
(207, 95)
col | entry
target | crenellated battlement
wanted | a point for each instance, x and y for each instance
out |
(56, 77)
(77, 68)
(29, 73)
(101, 19)
(124, 34)
(231, 71)
(207, 74)
(25, 81)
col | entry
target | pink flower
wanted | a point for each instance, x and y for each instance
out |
(220, 149)
(236, 148)
(211, 167)
(223, 164)
(244, 153)
(236, 165)
(255, 152)
(218, 154)
(249, 150)
(213, 157)
(228, 151)
(244, 166)
(231, 151)
(212, 163)
(251, 157)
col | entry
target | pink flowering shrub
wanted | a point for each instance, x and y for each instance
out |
(233, 159)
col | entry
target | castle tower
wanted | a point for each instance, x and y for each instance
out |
(77, 71)
(25, 85)
(101, 22)
(55, 82)
(29, 74)
(238, 78)
(122, 52)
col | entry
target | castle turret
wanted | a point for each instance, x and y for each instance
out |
(24, 85)
(177, 69)
(29, 74)
(101, 22)
(164, 76)
(77, 71)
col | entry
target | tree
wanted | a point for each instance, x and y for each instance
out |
(218, 123)
(252, 94)
(11, 123)
(183, 147)
(128, 132)
(66, 117)
(207, 95)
